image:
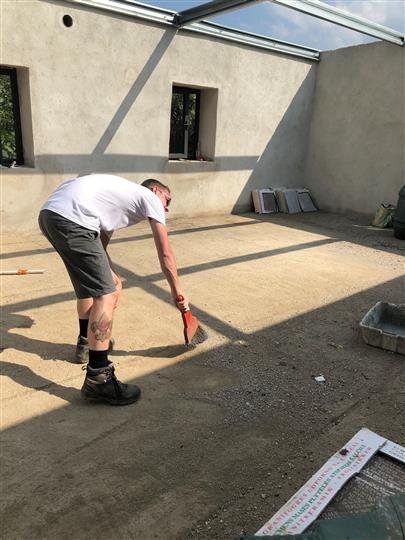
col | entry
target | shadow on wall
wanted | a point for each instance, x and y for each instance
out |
(80, 164)
(282, 162)
(97, 161)
(134, 92)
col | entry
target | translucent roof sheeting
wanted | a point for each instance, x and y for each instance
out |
(272, 24)
(273, 20)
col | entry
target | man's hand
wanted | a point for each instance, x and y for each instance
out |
(181, 303)
(118, 287)
(105, 238)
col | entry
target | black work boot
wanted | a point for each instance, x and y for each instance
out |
(102, 385)
(82, 350)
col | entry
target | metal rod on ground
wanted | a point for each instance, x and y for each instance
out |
(20, 272)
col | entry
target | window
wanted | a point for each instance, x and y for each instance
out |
(184, 123)
(10, 126)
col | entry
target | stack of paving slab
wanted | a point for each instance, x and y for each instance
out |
(281, 199)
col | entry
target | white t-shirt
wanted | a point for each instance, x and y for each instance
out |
(105, 202)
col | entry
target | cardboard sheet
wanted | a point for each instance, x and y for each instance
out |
(306, 505)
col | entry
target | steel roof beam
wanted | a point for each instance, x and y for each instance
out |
(209, 9)
(310, 7)
(343, 18)
(254, 40)
(133, 9)
(163, 16)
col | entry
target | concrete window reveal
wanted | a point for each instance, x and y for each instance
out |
(11, 151)
(193, 123)
(16, 138)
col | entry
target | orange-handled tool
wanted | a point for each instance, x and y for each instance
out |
(193, 332)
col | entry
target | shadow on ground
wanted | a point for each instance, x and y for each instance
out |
(216, 444)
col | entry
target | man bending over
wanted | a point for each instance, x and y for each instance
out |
(79, 219)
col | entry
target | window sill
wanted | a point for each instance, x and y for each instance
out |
(189, 166)
(181, 160)
(21, 169)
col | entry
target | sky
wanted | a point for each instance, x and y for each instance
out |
(279, 22)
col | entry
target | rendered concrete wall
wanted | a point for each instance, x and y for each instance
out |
(356, 153)
(100, 98)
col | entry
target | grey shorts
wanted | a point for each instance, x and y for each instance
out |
(82, 252)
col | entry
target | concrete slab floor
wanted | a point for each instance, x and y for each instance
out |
(225, 433)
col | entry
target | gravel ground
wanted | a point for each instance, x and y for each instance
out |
(225, 433)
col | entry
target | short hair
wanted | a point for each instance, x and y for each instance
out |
(151, 182)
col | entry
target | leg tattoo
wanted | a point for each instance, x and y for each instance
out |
(101, 328)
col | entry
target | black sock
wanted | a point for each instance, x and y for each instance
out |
(83, 323)
(98, 359)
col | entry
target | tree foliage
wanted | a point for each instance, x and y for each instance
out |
(7, 132)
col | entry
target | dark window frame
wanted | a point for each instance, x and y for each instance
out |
(12, 73)
(189, 151)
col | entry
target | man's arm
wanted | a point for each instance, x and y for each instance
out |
(167, 261)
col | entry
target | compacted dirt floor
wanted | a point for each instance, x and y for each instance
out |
(224, 434)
